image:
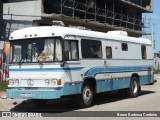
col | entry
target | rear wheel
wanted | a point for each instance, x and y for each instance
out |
(134, 89)
(85, 99)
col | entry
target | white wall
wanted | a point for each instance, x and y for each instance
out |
(23, 13)
(157, 63)
(25, 7)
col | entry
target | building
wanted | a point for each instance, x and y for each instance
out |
(2, 29)
(98, 15)
(19, 14)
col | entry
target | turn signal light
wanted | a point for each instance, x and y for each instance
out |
(59, 82)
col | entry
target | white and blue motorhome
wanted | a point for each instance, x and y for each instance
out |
(50, 62)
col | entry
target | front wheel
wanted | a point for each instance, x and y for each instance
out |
(134, 89)
(85, 99)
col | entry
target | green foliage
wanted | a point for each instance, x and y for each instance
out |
(3, 86)
(157, 72)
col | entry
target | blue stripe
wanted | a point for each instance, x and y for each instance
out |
(45, 69)
(90, 72)
(100, 70)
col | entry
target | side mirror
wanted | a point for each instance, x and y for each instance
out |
(63, 64)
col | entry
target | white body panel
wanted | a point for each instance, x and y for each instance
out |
(131, 58)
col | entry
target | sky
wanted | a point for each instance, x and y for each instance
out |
(155, 19)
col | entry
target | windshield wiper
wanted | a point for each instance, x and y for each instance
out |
(39, 61)
(20, 62)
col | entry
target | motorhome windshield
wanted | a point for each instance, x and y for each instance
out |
(36, 50)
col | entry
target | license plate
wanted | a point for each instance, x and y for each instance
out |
(26, 95)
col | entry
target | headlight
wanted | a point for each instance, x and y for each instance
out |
(11, 82)
(47, 82)
(53, 82)
(16, 82)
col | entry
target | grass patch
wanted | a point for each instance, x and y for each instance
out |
(3, 86)
(157, 72)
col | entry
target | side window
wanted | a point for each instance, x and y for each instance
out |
(91, 48)
(124, 47)
(144, 52)
(71, 50)
(108, 52)
(17, 50)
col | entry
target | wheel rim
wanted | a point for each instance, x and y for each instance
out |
(134, 87)
(87, 95)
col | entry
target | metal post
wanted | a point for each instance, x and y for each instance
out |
(153, 45)
(86, 10)
(10, 23)
(105, 12)
(134, 21)
(2, 66)
(95, 10)
(141, 2)
(42, 6)
(113, 13)
(121, 18)
(61, 6)
(127, 20)
(73, 7)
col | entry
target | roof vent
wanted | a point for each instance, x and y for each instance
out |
(124, 33)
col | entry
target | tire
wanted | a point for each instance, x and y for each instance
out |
(38, 102)
(134, 89)
(85, 99)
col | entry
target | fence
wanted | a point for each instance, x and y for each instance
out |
(157, 63)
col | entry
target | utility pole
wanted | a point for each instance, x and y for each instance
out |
(153, 41)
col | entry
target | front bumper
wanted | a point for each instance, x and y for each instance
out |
(33, 94)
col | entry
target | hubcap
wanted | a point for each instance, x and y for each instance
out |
(87, 94)
(134, 87)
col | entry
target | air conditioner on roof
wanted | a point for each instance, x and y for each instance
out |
(118, 32)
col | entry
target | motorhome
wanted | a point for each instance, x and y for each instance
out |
(50, 62)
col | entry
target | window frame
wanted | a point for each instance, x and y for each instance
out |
(33, 39)
(77, 45)
(144, 52)
(124, 45)
(101, 52)
(110, 50)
